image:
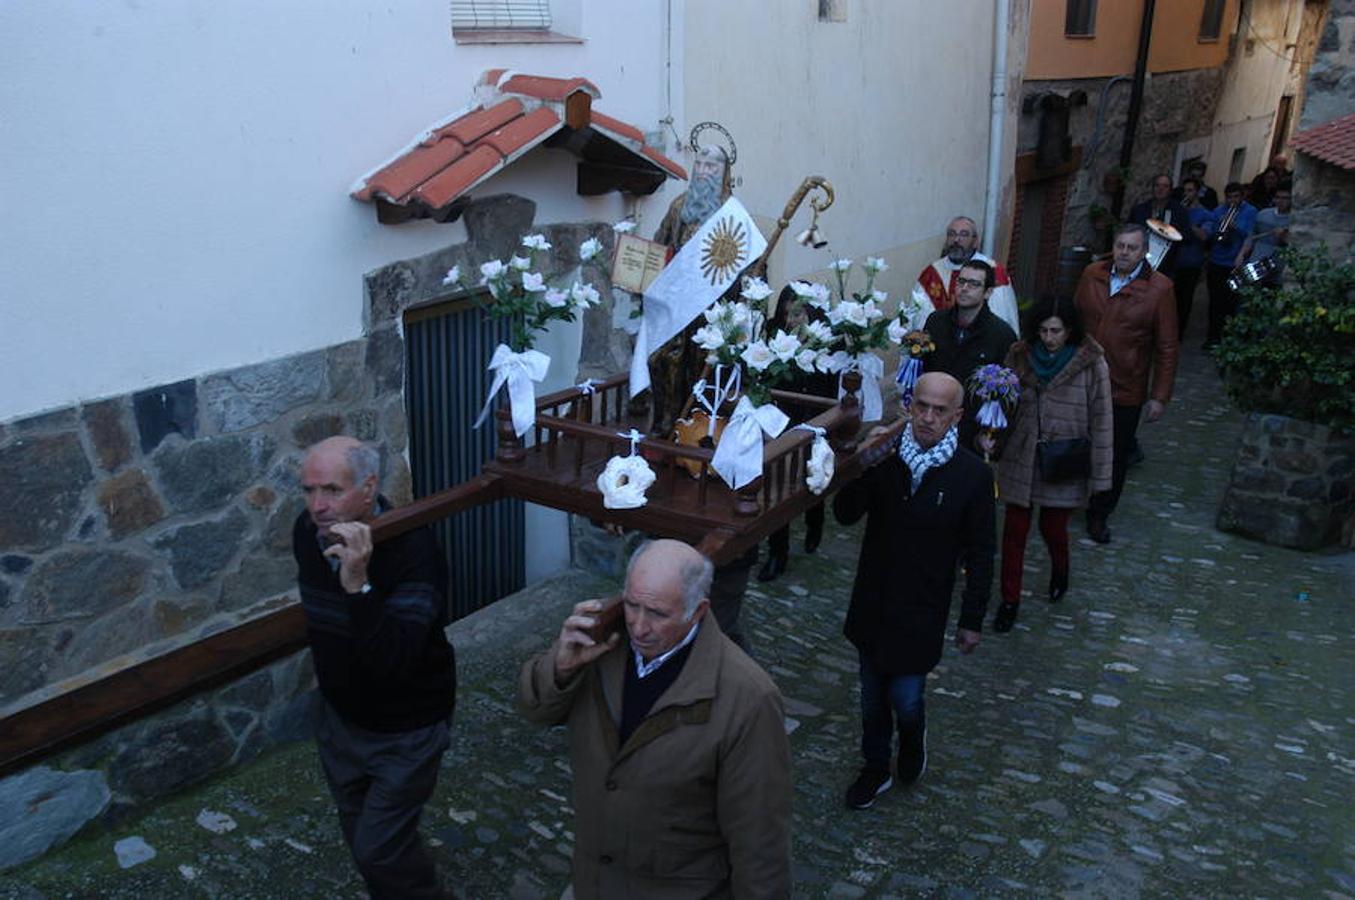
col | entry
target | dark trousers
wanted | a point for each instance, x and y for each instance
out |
(1016, 528)
(726, 596)
(1184, 283)
(380, 783)
(778, 544)
(1222, 300)
(886, 699)
(1126, 424)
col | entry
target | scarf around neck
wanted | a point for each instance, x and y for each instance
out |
(918, 460)
(1046, 365)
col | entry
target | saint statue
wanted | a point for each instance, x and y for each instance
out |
(679, 363)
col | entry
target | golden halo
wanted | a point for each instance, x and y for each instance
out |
(724, 250)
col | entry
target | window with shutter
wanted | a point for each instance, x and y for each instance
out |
(501, 15)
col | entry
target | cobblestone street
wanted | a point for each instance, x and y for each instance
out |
(1182, 724)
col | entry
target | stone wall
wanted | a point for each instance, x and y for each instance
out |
(135, 519)
(135, 524)
(1293, 484)
(1177, 106)
(1324, 195)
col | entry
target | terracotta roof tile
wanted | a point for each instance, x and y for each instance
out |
(1332, 142)
(521, 132)
(395, 180)
(459, 177)
(607, 123)
(455, 156)
(547, 88)
(470, 128)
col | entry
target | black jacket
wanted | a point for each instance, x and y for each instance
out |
(913, 545)
(1180, 220)
(986, 341)
(381, 658)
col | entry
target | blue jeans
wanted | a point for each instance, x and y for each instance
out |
(885, 698)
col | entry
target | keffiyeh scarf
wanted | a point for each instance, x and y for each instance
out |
(918, 460)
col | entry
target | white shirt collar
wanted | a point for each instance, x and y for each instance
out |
(643, 668)
(1119, 281)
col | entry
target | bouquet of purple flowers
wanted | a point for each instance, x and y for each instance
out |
(997, 389)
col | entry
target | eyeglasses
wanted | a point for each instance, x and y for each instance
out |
(970, 282)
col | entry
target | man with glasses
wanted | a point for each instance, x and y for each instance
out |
(968, 335)
(935, 286)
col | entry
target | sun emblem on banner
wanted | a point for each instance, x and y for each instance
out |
(724, 250)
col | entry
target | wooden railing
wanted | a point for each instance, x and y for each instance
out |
(578, 427)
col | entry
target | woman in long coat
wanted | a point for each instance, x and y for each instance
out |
(1065, 393)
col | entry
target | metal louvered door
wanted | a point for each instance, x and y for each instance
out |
(447, 348)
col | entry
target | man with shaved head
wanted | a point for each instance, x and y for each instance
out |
(928, 505)
(375, 617)
(677, 741)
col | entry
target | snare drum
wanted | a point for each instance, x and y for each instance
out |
(1258, 271)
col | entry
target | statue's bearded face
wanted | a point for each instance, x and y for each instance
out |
(707, 186)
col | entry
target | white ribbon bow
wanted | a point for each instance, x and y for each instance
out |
(738, 456)
(822, 461)
(518, 371)
(720, 391)
(872, 369)
(586, 386)
(633, 436)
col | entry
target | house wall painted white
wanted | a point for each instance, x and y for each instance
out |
(176, 174)
(1260, 72)
(890, 105)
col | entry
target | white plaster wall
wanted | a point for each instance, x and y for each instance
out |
(892, 106)
(176, 174)
(1253, 87)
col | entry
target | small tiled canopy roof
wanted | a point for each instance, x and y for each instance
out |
(512, 113)
(1332, 142)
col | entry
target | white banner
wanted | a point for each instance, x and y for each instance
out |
(704, 269)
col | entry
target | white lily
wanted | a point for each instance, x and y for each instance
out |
(491, 270)
(875, 265)
(521, 263)
(708, 337)
(784, 346)
(896, 331)
(589, 249)
(755, 289)
(803, 289)
(841, 265)
(820, 297)
(453, 276)
(534, 282)
(758, 356)
(536, 242)
(856, 313)
(625, 226)
(807, 359)
(584, 295)
(879, 296)
(556, 298)
(819, 331)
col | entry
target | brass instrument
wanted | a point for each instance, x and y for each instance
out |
(1225, 225)
(1161, 237)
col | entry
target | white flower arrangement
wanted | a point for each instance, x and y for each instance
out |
(523, 295)
(821, 466)
(624, 481)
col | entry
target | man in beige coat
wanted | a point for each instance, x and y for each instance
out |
(677, 742)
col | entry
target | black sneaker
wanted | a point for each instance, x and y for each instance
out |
(1005, 618)
(912, 761)
(870, 784)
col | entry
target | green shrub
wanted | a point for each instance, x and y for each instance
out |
(1291, 351)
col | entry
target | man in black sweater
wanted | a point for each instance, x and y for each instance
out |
(968, 336)
(928, 504)
(387, 675)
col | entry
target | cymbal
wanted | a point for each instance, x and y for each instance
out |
(1162, 229)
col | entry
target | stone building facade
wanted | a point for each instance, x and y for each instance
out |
(137, 524)
(1324, 191)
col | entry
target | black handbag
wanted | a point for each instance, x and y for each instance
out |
(1063, 459)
